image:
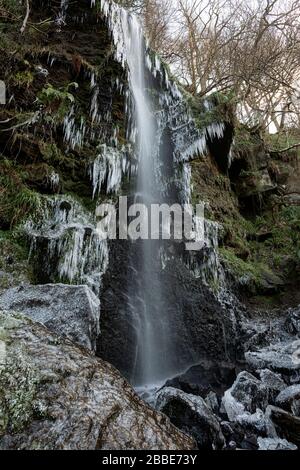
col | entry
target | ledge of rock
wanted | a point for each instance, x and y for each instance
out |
(56, 395)
(73, 311)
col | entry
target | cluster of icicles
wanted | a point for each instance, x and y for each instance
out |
(81, 256)
(75, 251)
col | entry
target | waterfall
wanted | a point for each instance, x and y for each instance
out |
(153, 343)
(165, 139)
(148, 120)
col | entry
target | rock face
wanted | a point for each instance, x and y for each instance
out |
(72, 311)
(201, 328)
(192, 415)
(55, 395)
(254, 183)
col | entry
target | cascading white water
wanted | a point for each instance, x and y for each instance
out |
(153, 347)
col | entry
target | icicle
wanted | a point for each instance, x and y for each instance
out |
(74, 135)
(108, 169)
(61, 17)
(54, 180)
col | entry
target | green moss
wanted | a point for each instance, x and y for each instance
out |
(50, 152)
(57, 101)
(17, 200)
(268, 261)
(222, 109)
(241, 268)
(14, 263)
(22, 79)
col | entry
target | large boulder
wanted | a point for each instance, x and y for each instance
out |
(254, 183)
(56, 395)
(191, 414)
(73, 311)
(246, 395)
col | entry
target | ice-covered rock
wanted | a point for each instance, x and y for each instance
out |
(255, 422)
(268, 443)
(279, 357)
(289, 399)
(73, 311)
(246, 394)
(272, 380)
(191, 414)
(54, 395)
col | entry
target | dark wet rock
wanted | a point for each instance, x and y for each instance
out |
(202, 330)
(205, 377)
(192, 415)
(256, 335)
(285, 424)
(72, 311)
(275, 444)
(270, 283)
(227, 430)
(232, 445)
(56, 395)
(246, 394)
(292, 324)
(245, 430)
(289, 399)
(249, 442)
